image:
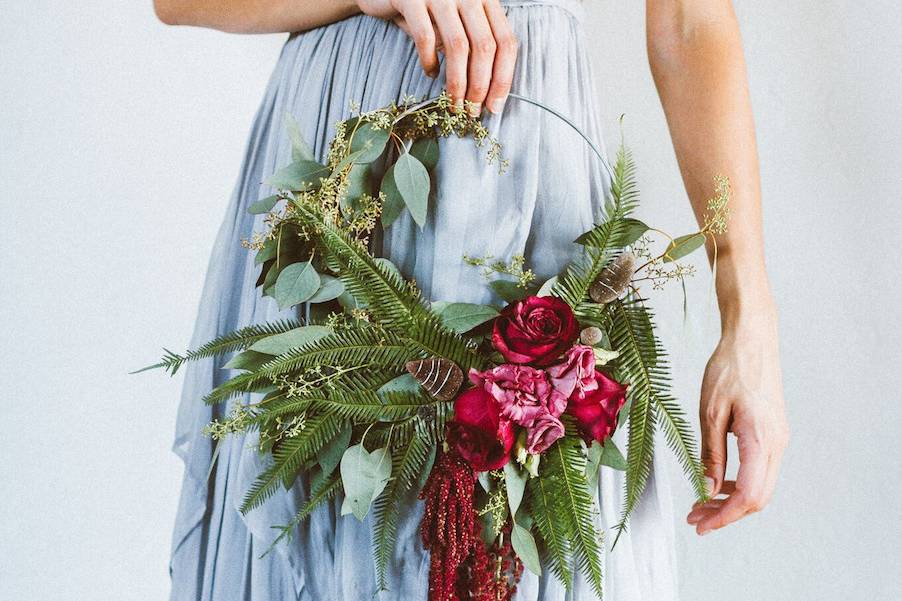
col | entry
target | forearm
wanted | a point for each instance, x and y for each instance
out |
(254, 16)
(695, 54)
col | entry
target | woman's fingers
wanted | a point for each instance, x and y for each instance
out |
(457, 48)
(715, 417)
(479, 47)
(415, 21)
(750, 493)
(482, 52)
(505, 57)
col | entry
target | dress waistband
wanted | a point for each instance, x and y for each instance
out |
(574, 7)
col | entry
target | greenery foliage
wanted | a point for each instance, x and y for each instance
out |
(331, 396)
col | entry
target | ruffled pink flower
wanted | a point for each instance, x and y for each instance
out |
(574, 376)
(523, 393)
(545, 429)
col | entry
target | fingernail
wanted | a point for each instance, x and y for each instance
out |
(433, 73)
(458, 105)
(709, 485)
(703, 532)
(496, 105)
(474, 109)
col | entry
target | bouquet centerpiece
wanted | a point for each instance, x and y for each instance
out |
(497, 417)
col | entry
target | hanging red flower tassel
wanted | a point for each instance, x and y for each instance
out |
(448, 524)
(461, 567)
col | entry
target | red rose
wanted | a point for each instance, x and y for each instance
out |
(478, 431)
(596, 411)
(537, 330)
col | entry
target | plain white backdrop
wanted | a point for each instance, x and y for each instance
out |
(120, 140)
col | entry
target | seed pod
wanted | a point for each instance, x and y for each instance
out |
(590, 336)
(614, 279)
(440, 377)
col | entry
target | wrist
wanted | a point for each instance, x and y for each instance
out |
(744, 298)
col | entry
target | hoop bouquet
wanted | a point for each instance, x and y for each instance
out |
(497, 417)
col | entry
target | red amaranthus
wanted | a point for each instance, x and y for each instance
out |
(461, 567)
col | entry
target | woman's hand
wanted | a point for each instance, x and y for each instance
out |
(742, 392)
(480, 48)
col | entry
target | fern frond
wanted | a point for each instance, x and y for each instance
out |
(289, 456)
(643, 365)
(600, 242)
(408, 462)
(323, 492)
(392, 302)
(555, 542)
(254, 381)
(566, 468)
(681, 441)
(372, 346)
(233, 341)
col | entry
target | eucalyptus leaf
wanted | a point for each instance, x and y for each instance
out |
(369, 141)
(393, 205)
(351, 159)
(298, 176)
(264, 205)
(297, 283)
(248, 361)
(515, 481)
(330, 455)
(682, 246)
(280, 344)
(330, 289)
(509, 290)
(547, 287)
(525, 546)
(463, 317)
(364, 476)
(633, 230)
(358, 185)
(612, 457)
(267, 251)
(403, 383)
(426, 151)
(593, 463)
(300, 151)
(412, 181)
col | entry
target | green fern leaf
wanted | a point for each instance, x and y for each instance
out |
(233, 341)
(290, 456)
(408, 463)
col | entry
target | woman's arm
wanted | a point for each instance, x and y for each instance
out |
(696, 58)
(254, 16)
(480, 49)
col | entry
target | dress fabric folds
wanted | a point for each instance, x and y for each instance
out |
(552, 191)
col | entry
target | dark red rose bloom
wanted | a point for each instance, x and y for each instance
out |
(478, 431)
(596, 411)
(536, 330)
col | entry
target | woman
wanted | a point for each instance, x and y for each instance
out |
(479, 50)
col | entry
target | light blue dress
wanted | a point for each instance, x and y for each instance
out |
(552, 192)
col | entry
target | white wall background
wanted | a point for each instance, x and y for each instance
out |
(119, 143)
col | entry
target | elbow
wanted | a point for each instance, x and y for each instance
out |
(167, 12)
(671, 46)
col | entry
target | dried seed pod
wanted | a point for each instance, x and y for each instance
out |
(614, 279)
(591, 336)
(439, 377)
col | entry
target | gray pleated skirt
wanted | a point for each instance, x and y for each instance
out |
(552, 192)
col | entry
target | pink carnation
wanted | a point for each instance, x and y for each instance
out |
(545, 429)
(576, 375)
(523, 393)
